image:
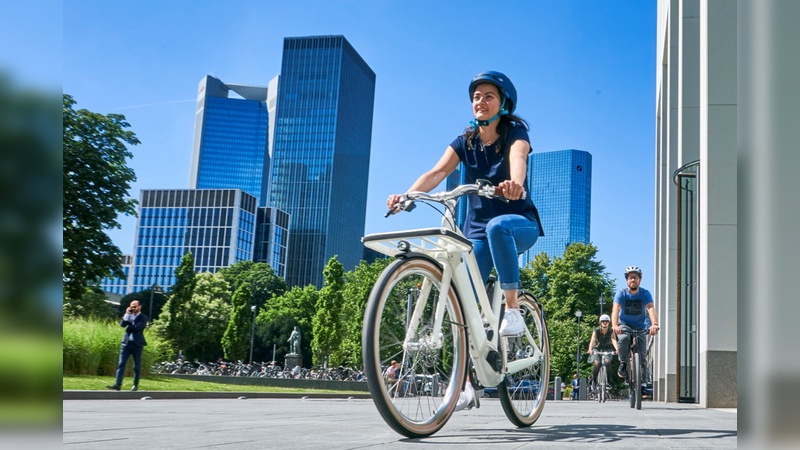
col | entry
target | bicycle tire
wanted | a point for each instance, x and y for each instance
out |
(524, 395)
(637, 368)
(433, 368)
(631, 382)
(601, 382)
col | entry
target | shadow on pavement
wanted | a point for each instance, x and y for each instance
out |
(588, 433)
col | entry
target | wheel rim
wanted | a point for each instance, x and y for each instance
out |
(432, 368)
(524, 396)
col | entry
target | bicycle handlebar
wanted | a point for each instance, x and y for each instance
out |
(484, 188)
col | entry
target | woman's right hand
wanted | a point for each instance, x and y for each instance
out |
(392, 201)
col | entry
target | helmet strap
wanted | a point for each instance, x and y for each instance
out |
(482, 123)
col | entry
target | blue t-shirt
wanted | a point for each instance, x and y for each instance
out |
(633, 308)
(485, 163)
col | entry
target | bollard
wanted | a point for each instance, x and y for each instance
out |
(582, 385)
(557, 389)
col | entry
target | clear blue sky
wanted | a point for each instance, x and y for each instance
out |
(584, 70)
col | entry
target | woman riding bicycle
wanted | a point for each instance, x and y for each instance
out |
(603, 340)
(631, 306)
(494, 147)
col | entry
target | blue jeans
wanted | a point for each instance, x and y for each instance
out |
(506, 237)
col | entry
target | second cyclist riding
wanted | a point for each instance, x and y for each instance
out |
(430, 311)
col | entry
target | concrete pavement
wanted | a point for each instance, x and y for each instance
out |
(341, 423)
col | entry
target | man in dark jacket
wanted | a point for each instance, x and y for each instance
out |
(133, 343)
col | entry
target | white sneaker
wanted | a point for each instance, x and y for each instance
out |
(512, 324)
(466, 398)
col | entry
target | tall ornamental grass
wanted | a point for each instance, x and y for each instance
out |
(92, 348)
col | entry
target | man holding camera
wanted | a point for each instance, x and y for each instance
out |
(133, 343)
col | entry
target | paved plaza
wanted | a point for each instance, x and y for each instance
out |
(342, 423)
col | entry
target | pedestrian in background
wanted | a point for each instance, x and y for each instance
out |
(133, 343)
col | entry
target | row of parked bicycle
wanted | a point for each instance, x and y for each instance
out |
(257, 369)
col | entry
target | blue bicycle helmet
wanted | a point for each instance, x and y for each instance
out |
(501, 81)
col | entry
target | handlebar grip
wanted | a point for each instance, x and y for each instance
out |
(499, 195)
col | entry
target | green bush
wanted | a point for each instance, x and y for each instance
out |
(92, 348)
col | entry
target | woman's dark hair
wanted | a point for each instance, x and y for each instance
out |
(507, 122)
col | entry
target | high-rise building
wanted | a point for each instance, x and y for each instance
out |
(217, 225)
(272, 239)
(119, 285)
(320, 153)
(231, 138)
(560, 184)
(455, 179)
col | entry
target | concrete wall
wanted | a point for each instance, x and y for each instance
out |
(697, 119)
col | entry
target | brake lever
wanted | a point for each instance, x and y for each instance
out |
(409, 206)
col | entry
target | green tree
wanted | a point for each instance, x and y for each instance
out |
(212, 303)
(206, 317)
(327, 322)
(357, 287)
(180, 320)
(159, 301)
(96, 181)
(91, 305)
(236, 340)
(259, 277)
(275, 322)
(565, 285)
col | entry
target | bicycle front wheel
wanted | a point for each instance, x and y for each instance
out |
(407, 321)
(601, 383)
(524, 393)
(637, 364)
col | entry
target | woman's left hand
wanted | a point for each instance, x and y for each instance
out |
(511, 189)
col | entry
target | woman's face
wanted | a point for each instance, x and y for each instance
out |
(485, 101)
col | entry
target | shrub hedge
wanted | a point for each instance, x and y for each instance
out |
(92, 347)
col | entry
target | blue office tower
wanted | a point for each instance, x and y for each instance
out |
(455, 179)
(560, 184)
(118, 285)
(272, 239)
(320, 153)
(217, 225)
(231, 138)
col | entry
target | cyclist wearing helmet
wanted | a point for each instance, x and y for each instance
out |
(494, 147)
(632, 305)
(603, 340)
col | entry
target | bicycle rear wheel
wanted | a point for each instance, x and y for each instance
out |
(400, 324)
(601, 383)
(523, 396)
(637, 364)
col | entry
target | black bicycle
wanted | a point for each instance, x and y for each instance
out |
(635, 375)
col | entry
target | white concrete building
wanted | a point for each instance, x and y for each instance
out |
(696, 203)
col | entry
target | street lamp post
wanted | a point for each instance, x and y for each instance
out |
(578, 314)
(153, 290)
(602, 302)
(253, 334)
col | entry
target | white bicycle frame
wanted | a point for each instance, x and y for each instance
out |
(448, 246)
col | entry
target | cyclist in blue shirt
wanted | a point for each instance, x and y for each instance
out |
(494, 147)
(632, 305)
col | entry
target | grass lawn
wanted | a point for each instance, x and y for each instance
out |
(160, 383)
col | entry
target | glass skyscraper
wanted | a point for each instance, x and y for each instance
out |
(272, 239)
(117, 285)
(217, 225)
(231, 148)
(561, 188)
(320, 153)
